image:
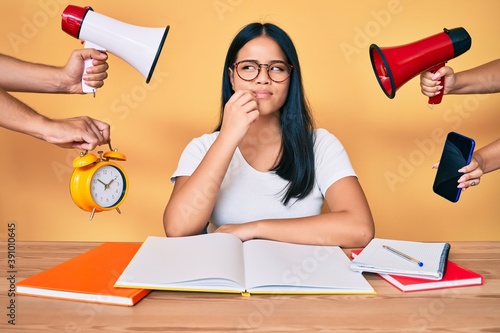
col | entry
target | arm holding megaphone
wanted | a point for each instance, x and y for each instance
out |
(483, 79)
(396, 65)
(92, 63)
(22, 76)
(433, 83)
(438, 96)
(87, 70)
(138, 46)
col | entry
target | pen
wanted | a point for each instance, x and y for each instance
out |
(402, 255)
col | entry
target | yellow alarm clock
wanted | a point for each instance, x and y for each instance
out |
(98, 184)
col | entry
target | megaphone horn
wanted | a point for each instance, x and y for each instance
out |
(394, 66)
(138, 46)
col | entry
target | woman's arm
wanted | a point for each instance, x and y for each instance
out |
(193, 198)
(348, 224)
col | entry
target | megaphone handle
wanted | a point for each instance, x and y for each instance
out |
(88, 63)
(437, 99)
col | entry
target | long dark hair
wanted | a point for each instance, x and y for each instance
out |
(296, 164)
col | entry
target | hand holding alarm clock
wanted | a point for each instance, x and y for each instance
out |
(99, 184)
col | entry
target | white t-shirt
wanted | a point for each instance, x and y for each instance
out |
(249, 195)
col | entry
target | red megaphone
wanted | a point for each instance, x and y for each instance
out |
(394, 66)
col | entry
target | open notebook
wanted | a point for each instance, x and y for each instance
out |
(220, 262)
(400, 257)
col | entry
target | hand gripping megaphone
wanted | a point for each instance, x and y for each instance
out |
(138, 46)
(394, 66)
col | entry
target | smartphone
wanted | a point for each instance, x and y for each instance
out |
(457, 153)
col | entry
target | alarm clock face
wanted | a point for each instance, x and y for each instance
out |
(108, 186)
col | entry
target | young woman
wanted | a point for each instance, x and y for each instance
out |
(266, 172)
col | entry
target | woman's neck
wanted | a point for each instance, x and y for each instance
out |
(265, 130)
(261, 146)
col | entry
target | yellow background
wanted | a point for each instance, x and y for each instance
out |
(392, 143)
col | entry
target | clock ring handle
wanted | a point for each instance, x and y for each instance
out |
(86, 151)
(114, 154)
(109, 144)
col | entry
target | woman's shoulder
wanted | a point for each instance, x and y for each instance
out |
(205, 140)
(208, 137)
(322, 134)
(321, 131)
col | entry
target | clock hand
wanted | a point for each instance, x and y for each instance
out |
(100, 181)
(106, 186)
(112, 180)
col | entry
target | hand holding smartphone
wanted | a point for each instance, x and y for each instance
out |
(457, 153)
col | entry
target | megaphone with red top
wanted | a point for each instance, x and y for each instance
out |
(394, 66)
(138, 46)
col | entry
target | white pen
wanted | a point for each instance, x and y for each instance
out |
(402, 255)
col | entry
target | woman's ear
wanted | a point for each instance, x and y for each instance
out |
(231, 77)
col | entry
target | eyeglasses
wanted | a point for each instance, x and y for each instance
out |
(277, 70)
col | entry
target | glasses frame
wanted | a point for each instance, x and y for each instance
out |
(259, 66)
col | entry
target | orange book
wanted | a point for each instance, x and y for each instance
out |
(88, 277)
(454, 276)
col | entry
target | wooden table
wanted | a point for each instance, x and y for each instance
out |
(466, 309)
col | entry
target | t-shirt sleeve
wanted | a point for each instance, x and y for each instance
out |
(192, 155)
(332, 161)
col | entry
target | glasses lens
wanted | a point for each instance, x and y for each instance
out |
(247, 70)
(278, 71)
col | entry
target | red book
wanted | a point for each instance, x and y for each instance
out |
(454, 276)
(88, 277)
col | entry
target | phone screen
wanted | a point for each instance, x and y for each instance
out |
(457, 153)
